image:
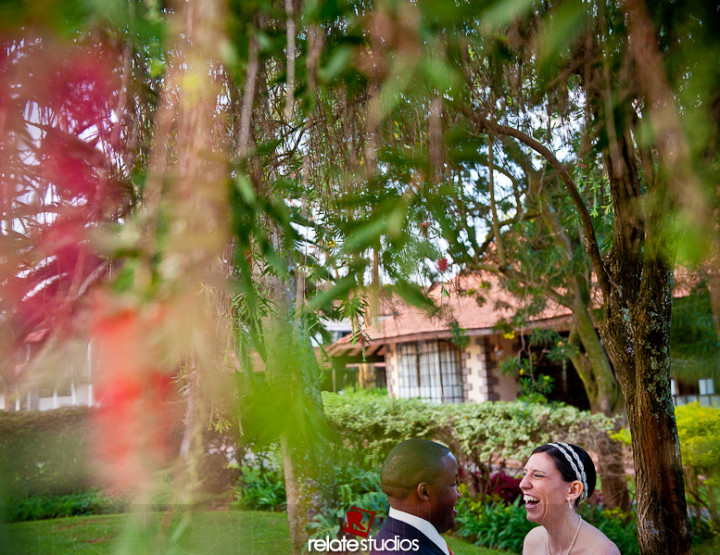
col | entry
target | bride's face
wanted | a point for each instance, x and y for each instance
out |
(544, 490)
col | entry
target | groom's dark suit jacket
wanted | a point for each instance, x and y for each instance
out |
(393, 528)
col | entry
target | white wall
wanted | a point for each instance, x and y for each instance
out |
(392, 369)
(475, 371)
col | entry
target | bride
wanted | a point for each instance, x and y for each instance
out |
(556, 479)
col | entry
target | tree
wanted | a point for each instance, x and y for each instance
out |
(340, 134)
(634, 128)
(567, 55)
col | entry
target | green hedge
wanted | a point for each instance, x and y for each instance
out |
(47, 453)
(46, 464)
(39, 507)
(368, 425)
(44, 453)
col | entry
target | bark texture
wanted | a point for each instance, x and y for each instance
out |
(636, 334)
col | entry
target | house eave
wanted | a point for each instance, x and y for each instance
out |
(558, 323)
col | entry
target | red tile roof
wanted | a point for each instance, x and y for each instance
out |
(475, 302)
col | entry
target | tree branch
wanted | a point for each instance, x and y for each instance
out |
(511, 273)
(289, 11)
(518, 217)
(493, 206)
(248, 96)
(591, 243)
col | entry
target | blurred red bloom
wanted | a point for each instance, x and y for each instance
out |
(136, 397)
(59, 125)
(442, 264)
(71, 165)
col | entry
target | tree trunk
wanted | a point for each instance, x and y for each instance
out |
(309, 489)
(308, 470)
(636, 333)
(604, 395)
(637, 283)
(291, 370)
(594, 366)
(662, 509)
(611, 468)
(298, 504)
(637, 340)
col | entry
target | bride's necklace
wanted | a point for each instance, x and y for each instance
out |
(572, 543)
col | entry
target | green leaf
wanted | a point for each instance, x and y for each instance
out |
(366, 235)
(245, 188)
(504, 11)
(340, 289)
(339, 61)
(413, 294)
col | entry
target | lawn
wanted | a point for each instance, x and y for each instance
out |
(216, 532)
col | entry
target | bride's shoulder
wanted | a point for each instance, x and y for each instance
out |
(605, 548)
(598, 543)
(534, 540)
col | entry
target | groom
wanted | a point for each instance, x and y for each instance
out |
(419, 478)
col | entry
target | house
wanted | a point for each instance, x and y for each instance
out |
(454, 355)
(451, 356)
(70, 384)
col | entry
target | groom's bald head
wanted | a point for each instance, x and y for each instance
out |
(409, 463)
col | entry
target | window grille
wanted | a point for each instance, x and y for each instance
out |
(430, 370)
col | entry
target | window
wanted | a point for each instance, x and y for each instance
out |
(430, 370)
(702, 391)
(707, 386)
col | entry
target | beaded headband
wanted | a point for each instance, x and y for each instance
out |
(578, 468)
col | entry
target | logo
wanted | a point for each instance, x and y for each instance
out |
(351, 545)
(358, 521)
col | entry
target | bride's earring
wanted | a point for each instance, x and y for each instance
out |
(569, 503)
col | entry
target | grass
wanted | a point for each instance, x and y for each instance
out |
(221, 532)
(217, 532)
(460, 547)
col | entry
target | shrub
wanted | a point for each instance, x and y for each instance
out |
(357, 487)
(481, 435)
(44, 453)
(504, 488)
(494, 525)
(47, 453)
(40, 507)
(500, 526)
(260, 489)
(699, 431)
(620, 527)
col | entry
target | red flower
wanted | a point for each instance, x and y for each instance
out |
(442, 264)
(135, 417)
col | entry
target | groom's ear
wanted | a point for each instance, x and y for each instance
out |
(422, 491)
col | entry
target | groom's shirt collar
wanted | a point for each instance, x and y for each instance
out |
(423, 525)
